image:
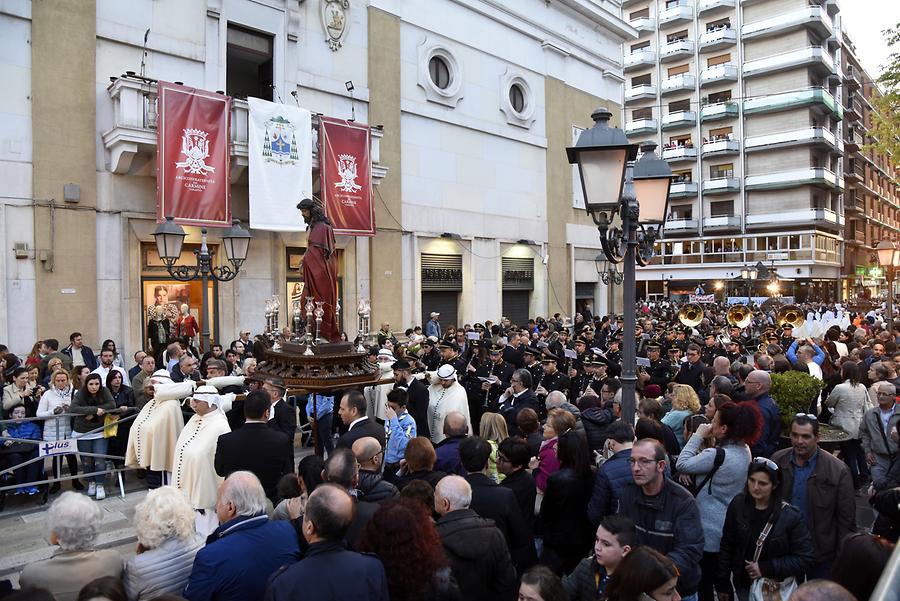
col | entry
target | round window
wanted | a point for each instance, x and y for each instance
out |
(517, 98)
(439, 72)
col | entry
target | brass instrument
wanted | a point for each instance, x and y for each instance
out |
(790, 314)
(690, 315)
(739, 316)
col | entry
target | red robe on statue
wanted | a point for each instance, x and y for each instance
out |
(320, 276)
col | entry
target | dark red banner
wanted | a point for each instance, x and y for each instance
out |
(345, 166)
(192, 156)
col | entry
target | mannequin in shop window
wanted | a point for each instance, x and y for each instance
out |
(159, 332)
(187, 324)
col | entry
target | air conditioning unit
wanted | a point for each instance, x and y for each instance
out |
(21, 250)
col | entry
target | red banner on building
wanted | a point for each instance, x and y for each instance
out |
(192, 156)
(345, 166)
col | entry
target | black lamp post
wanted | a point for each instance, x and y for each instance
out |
(889, 259)
(613, 183)
(169, 238)
(749, 274)
(609, 275)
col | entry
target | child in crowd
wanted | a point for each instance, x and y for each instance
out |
(616, 536)
(399, 429)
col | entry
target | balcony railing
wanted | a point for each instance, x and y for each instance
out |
(722, 222)
(640, 126)
(811, 56)
(640, 92)
(678, 13)
(718, 74)
(715, 39)
(721, 146)
(810, 176)
(677, 224)
(718, 110)
(675, 153)
(679, 119)
(796, 137)
(677, 83)
(853, 108)
(721, 184)
(683, 189)
(813, 17)
(675, 50)
(790, 100)
(639, 58)
(133, 132)
(706, 6)
(643, 24)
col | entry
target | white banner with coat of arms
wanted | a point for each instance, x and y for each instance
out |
(280, 165)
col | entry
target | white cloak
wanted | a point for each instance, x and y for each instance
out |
(442, 401)
(194, 472)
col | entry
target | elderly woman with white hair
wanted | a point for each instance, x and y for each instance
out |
(167, 544)
(73, 522)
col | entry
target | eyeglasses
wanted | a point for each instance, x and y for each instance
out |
(808, 416)
(641, 462)
(766, 462)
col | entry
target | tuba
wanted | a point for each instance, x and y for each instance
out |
(739, 316)
(690, 315)
(790, 314)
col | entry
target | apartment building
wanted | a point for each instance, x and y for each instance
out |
(743, 98)
(872, 197)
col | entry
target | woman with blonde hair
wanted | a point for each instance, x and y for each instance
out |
(685, 402)
(493, 430)
(56, 401)
(559, 421)
(167, 544)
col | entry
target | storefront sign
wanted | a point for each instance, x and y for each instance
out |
(441, 272)
(518, 273)
(192, 159)
(876, 272)
(345, 167)
(702, 298)
(280, 165)
(861, 270)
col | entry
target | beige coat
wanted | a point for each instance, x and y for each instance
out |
(194, 471)
(849, 403)
(442, 401)
(151, 441)
(376, 396)
(67, 572)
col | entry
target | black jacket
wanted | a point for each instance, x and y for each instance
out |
(511, 408)
(259, 449)
(373, 488)
(478, 556)
(696, 375)
(328, 570)
(522, 485)
(285, 420)
(788, 550)
(564, 519)
(492, 501)
(361, 430)
(417, 405)
(670, 523)
(596, 421)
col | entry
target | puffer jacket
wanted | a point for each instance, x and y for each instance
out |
(587, 582)
(163, 570)
(612, 476)
(374, 489)
(596, 421)
(58, 428)
(478, 556)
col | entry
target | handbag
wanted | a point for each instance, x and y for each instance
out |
(110, 425)
(770, 589)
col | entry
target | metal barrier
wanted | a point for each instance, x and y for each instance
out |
(57, 450)
(888, 588)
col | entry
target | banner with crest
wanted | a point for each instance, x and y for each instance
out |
(345, 169)
(192, 156)
(280, 165)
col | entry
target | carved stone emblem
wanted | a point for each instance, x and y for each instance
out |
(334, 20)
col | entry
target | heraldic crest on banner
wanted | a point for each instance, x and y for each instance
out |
(346, 165)
(195, 146)
(280, 143)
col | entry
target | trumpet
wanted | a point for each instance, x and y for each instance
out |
(690, 315)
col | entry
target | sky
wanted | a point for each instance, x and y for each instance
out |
(864, 20)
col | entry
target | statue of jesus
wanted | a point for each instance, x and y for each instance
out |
(320, 265)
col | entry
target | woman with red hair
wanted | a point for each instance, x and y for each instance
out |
(719, 475)
(408, 544)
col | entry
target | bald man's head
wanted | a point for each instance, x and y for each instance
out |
(721, 366)
(555, 399)
(329, 513)
(341, 468)
(368, 452)
(757, 383)
(452, 493)
(822, 590)
(455, 424)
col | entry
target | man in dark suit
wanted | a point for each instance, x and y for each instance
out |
(282, 417)
(494, 502)
(352, 412)
(518, 396)
(256, 447)
(416, 395)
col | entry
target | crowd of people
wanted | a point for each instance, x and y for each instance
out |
(492, 461)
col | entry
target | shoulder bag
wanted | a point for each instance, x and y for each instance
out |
(770, 589)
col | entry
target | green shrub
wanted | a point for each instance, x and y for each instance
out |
(794, 392)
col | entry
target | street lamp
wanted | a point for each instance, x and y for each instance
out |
(613, 183)
(889, 259)
(749, 275)
(169, 238)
